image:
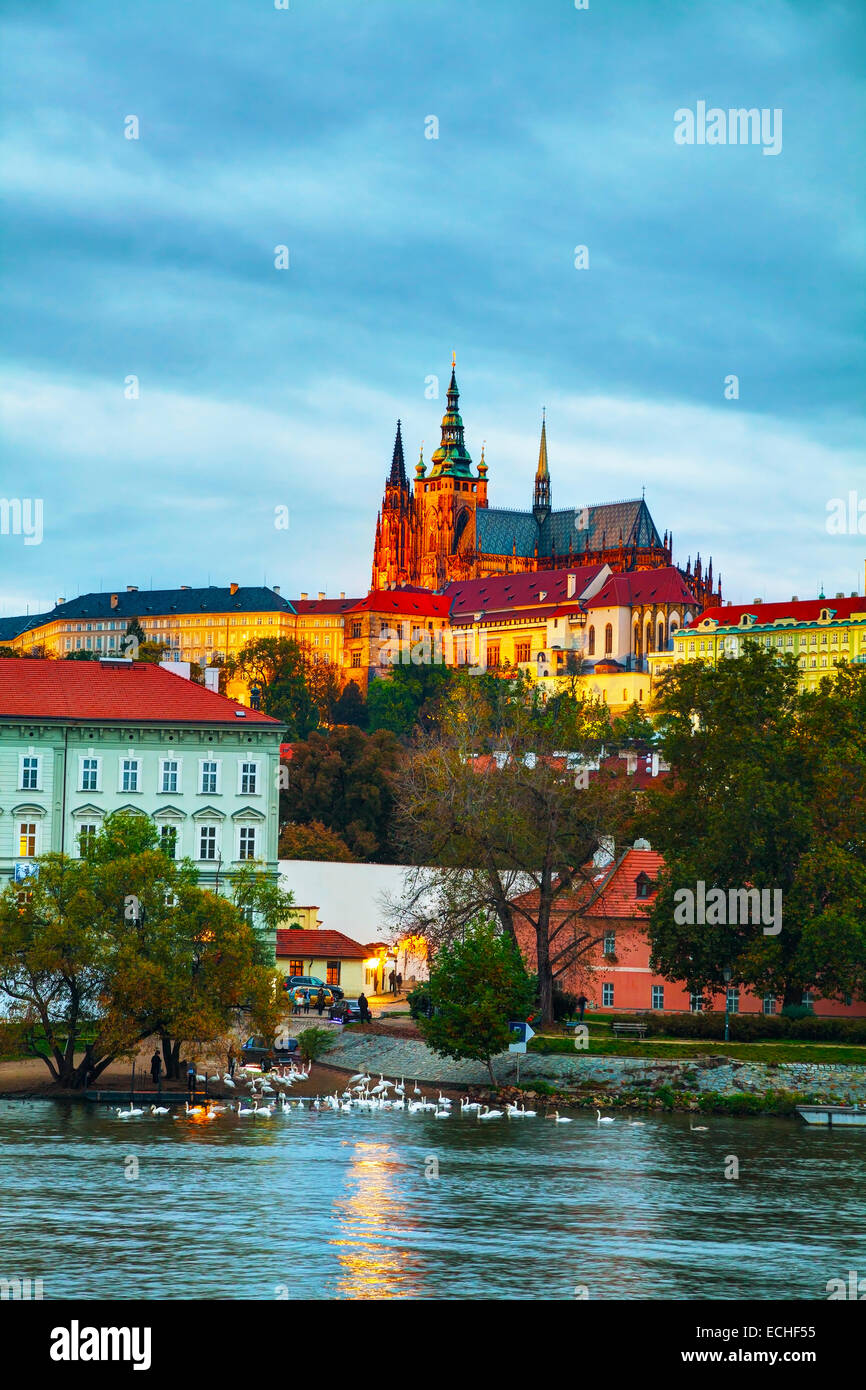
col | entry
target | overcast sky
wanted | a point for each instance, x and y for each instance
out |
(263, 388)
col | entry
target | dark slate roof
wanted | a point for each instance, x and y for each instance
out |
(496, 531)
(213, 599)
(13, 627)
(579, 529)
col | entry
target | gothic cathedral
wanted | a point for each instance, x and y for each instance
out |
(442, 528)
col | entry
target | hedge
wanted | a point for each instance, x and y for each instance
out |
(747, 1027)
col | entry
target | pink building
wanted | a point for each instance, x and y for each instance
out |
(616, 977)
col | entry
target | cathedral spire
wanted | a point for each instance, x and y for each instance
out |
(398, 467)
(541, 501)
(451, 458)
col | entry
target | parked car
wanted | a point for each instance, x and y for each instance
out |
(347, 1010)
(265, 1054)
(313, 982)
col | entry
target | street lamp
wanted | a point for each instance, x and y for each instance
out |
(726, 976)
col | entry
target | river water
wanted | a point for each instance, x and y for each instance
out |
(331, 1205)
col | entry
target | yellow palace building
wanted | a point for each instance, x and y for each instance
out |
(821, 633)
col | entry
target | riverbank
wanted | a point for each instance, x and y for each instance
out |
(695, 1082)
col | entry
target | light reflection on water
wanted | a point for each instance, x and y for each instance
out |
(338, 1206)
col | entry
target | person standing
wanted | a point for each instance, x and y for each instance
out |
(190, 1079)
(306, 1001)
(363, 1009)
(320, 1002)
(231, 1059)
(582, 1002)
(392, 982)
(399, 982)
(155, 1068)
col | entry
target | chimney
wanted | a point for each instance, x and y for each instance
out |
(233, 588)
(794, 598)
(571, 586)
(343, 595)
(840, 595)
(132, 588)
(63, 600)
(184, 586)
(321, 594)
(114, 598)
(757, 600)
(212, 679)
(276, 588)
(303, 595)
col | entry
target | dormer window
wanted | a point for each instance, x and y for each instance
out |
(643, 886)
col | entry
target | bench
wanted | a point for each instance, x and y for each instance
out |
(630, 1030)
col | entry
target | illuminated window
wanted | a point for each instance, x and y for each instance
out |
(332, 972)
(27, 839)
(296, 967)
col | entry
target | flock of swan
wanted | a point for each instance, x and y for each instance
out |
(269, 1096)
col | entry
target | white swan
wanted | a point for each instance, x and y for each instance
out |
(128, 1114)
(561, 1119)
(227, 1081)
(245, 1110)
(603, 1119)
(159, 1110)
(488, 1114)
(698, 1128)
(264, 1110)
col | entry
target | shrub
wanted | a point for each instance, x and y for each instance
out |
(313, 1042)
(418, 999)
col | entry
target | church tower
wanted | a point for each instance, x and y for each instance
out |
(541, 498)
(446, 500)
(393, 552)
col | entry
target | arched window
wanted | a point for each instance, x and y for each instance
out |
(636, 640)
(661, 641)
(591, 646)
(608, 639)
(649, 637)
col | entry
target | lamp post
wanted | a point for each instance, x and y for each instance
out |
(726, 976)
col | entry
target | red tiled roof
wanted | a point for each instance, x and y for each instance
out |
(304, 606)
(617, 884)
(614, 885)
(804, 611)
(317, 945)
(664, 585)
(78, 691)
(507, 592)
(406, 601)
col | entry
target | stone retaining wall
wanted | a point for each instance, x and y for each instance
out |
(407, 1057)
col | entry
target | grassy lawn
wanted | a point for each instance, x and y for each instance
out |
(603, 1044)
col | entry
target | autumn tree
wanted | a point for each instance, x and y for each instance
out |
(503, 800)
(314, 841)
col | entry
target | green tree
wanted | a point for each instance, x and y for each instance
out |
(350, 708)
(477, 985)
(395, 702)
(121, 945)
(767, 792)
(343, 779)
(9, 651)
(278, 667)
(82, 655)
(633, 726)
